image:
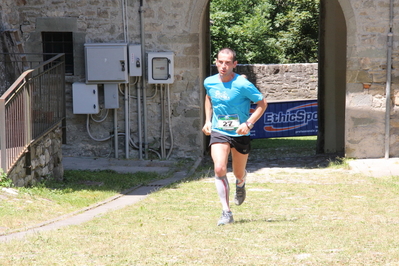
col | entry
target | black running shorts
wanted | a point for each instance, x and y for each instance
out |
(241, 144)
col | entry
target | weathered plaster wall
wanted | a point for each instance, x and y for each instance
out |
(368, 27)
(9, 15)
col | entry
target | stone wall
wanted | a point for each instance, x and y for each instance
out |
(172, 26)
(283, 82)
(182, 27)
(46, 161)
(366, 78)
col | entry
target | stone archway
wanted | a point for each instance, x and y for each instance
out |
(332, 67)
(200, 24)
(332, 78)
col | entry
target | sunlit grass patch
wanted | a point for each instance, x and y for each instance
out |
(339, 223)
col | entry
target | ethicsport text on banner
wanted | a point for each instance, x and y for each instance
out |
(287, 119)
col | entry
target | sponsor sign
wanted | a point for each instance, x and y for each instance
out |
(287, 119)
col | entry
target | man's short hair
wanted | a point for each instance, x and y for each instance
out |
(227, 50)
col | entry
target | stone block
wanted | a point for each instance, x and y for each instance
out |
(361, 100)
(363, 77)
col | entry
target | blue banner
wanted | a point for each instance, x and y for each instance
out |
(287, 119)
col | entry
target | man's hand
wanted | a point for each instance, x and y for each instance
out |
(207, 128)
(243, 129)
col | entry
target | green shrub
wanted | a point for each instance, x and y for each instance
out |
(4, 180)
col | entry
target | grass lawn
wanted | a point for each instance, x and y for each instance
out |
(51, 199)
(291, 217)
(343, 219)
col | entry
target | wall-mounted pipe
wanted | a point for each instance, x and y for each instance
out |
(124, 20)
(143, 88)
(127, 122)
(389, 81)
(163, 135)
(170, 124)
(116, 133)
(139, 122)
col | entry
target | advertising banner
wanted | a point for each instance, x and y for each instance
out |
(287, 119)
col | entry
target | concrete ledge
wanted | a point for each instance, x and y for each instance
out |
(376, 167)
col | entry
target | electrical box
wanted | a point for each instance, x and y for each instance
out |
(160, 68)
(106, 63)
(135, 63)
(111, 96)
(85, 98)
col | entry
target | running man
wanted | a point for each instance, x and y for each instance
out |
(228, 122)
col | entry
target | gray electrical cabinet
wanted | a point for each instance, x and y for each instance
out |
(135, 61)
(111, 96)
(160, 67)
(106, 63)
(85, 98)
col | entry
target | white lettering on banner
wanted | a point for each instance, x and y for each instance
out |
(300, 116)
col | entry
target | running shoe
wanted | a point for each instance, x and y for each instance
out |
(240, 195)
(226, 218)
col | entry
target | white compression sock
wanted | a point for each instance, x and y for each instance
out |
(223, 189)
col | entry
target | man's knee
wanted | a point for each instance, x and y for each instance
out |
(220, 170)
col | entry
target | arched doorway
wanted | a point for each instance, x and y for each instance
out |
(332, 78)
(332, 72)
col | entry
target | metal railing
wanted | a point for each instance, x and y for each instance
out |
(32, 106)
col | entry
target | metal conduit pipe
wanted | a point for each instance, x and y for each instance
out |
(144, 94)
(127, 22)
(170, 124)
(116, 133)
(127, 119)
(138, 86)
(389, 81)
(165, 110)
(124, 20)
(127, 86)
(163, 149)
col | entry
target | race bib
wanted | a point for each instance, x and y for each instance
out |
(228, 122)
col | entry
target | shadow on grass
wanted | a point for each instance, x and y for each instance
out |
(267, 220)
(298, 152)
(266, 153)
(101, 181)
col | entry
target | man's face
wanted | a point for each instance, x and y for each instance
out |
(225, 64)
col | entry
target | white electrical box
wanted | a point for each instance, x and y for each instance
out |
(135, 64)
(85, 98)
(106, 63)
(111, 96)
(160, 68)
